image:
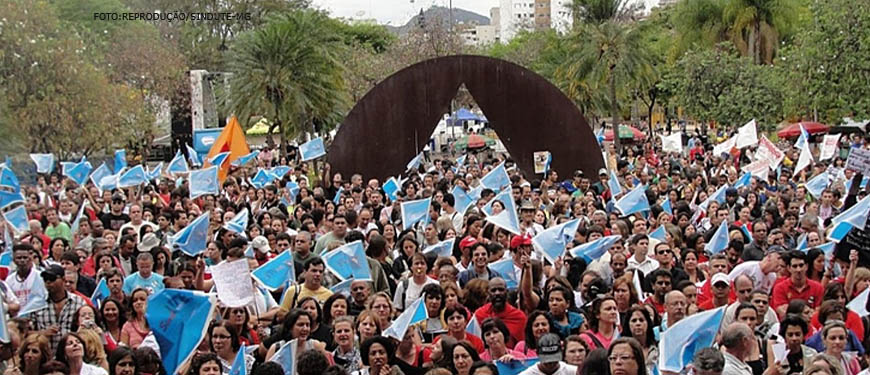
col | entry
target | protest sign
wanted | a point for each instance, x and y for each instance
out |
(542, 159)
(859, 161)
(829, 146)
(768, 151)
(233, 283)
(758, 168)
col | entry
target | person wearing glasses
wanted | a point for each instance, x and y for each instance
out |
(626, 357)
(56, 319)
(225, 342)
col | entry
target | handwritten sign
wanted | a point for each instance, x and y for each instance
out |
(233, 283)
(829, 146)
(768, 151)
(859, 160)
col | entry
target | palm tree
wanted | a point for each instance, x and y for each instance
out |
(287, 70)
(607, 51)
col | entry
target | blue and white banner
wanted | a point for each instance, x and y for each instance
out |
(719, 241)
(443, 248)
(44, 162)
(553, 241)
(277, 272)
(414, 212)
(496, 179)
(179, 320)
(680, 342)
(634, 201)
(178, 164)
(414, 314)
(312, 149)
(238, 223)
(348, 262)
(593, 250)
(193, 239)
(204, 181)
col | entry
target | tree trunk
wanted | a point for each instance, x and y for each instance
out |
(759, 54)
(614, 114)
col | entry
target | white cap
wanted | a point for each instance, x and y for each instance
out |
(720, 277)
(261, 244)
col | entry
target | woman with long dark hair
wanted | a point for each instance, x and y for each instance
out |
(135, 330)
(603, 323)
(639, 325)
(538, 324)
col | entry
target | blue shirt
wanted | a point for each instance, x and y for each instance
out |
(153, 284)
(575, 320)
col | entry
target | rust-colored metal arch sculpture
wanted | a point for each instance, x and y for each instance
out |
(394, 120)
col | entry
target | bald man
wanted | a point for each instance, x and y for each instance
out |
(497, 307)
(737, 340)
(676, 305)
(743, 289)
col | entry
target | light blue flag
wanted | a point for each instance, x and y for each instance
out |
(507, 219)
(719, 241)
(839, 232)
(515, 366)
(746, 232)
(133, 177)
(718, 196)
(312, 149)
(496, 179)
(599, 135)
(204, 181)
(6, 257)
(178, 164)
(348, 262)
(36, 300)
(262, 178)
(666, 206)
(634, 201)
(680, 342)
(100, 293)
(239, 367)
(462, 200)
(473, 327)
(154, 174)
(245, 159)
(277, 272)
(502, 197)
(293, 189)
(109, 182)
(249, 252)
(505, 268)
(7, 198)
(613, 184)
(74, 228)
(193, 238)
(802, 139)
(743, 181)
(443, 248)
(9, 180)
(342, 287)
(553, 241)
(238, 223)
(461, 160)
(415, 162)
(817, 184)
(120, 160)
(17, 217)
(4, 330)
(414, 314)
(658, 234)
(859, 303)
(195, 159)
(476, 192)
(44, 162)
(219, 158)
(827, 248)
(98, 174)
(802, 242)
(286, 357)
(337, 198)
(414, 212)
(593, 250)
(855, 215)
(391, 187)
(279, 171)
(7, 240)
(179, 319)
(79, 172)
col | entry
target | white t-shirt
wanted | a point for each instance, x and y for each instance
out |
(22, 289)
(753, 270)
(564, 369)
(412, 294)
(92, 370)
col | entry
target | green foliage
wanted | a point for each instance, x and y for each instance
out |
(288, 71)
(719, 85)
(828, 66)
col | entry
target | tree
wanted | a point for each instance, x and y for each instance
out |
(828, 65)
(719, 85)
(606, 51)
(288, 71)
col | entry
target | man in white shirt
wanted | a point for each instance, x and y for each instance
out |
(550, 358)
(136, 221)
(640, 261)
(762, 273)
(21, 281)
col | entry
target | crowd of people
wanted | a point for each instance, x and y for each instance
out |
(567, 316)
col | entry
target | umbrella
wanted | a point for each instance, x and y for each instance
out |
(473, 141)
(794, 130)
(850, 126)
(625, 131)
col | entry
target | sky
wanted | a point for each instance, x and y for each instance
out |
(397, 12)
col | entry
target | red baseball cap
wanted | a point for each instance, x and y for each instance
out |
(468, 241)
(518, 241)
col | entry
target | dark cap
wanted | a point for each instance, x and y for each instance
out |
(549, 348)
(118, 197)
(731, 191)
(54, 271)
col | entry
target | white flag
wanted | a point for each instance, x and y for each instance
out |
(672, 143)
(805, 158)
(725, 147)
(829, 146)
(747, 135)
(768, 151)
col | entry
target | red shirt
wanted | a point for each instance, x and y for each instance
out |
(513, 318)
(660, 307)
(785, 291)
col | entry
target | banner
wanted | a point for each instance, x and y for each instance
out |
(233, 283)
(541, 160)
(829, 146)
(859, 160)
(747, 135)
(768, 151)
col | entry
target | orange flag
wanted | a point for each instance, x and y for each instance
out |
(232, 139)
